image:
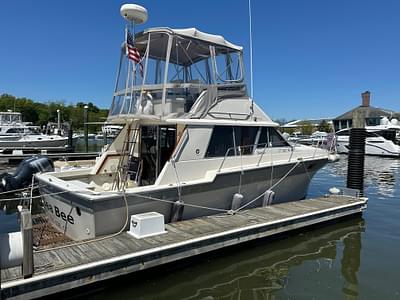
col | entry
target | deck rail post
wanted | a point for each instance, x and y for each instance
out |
(27, 243)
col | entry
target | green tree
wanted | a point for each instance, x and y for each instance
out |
(307, 128)
(40, 113)
(324, 126)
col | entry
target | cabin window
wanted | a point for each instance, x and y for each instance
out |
(227, 140)
(221, 140)
(270, 137)
(15, 130)
(245, 138)
(372, 121)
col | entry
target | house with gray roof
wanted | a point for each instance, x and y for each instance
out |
(373, 115)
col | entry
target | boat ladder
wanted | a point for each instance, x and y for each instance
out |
(129, 165)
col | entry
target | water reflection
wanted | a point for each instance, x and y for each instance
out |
(379, 171)
(351, 262)
(261, 272)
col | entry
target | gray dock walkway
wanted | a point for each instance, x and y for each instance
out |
(61, 269)
(55, 155)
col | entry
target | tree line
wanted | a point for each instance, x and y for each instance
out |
(39, 113)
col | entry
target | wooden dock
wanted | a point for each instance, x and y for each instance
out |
(56, 155)
(58, 270)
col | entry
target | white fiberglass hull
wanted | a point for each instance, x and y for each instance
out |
(81, 219)
(34, 142)
(373, 146)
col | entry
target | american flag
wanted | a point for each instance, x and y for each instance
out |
(132, 52)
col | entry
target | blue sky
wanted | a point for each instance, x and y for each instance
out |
(312, 58)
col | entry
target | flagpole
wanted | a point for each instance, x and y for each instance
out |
(134, 66)
(129, 68)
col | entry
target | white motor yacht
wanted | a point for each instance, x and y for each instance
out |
(15, 134)
(12, 127)
(193, 142)
(381, 140)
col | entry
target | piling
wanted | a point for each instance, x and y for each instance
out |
(70, 141)
(355, 169)
(85, 126)
(105, 137)
(27, 243)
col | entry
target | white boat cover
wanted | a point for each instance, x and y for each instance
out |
(194, 33)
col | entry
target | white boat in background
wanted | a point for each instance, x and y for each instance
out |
(316, 139)
(111, 130)
(12, 127)
(381, 140)
(15, 134)
(193, 142)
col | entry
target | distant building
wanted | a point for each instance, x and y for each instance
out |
(373, 115)
(297, 125)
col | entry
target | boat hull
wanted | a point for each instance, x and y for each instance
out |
(34, 143)
(372, 147)
(80, 218)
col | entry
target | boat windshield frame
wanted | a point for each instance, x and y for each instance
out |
(172, 58)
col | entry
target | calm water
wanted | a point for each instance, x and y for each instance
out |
(357, 258)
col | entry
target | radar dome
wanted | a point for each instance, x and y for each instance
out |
(134, 13)
(394, 121)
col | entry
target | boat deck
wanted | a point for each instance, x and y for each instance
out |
(79, 264)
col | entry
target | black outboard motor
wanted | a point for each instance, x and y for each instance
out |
(22, 176)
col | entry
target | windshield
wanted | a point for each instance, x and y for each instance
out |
(172, 73)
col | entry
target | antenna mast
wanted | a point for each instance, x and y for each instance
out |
(251, 55)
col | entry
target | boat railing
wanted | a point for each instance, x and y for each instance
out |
(250, 149)
(230, 115)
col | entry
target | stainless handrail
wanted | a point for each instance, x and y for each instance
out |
(241, 148)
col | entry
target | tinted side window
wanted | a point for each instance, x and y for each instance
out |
(270, 137)
(245, 137)
(275, 139)
(221, 140)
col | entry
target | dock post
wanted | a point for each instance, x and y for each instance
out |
(27, 243)
(355, 164)
(105, 137)
(85, 126)
(70, 140)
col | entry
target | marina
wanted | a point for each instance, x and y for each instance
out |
(186, 187)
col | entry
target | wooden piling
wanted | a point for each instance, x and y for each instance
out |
(355, 170)
(86, 129)
(27, 243)
(70, 140)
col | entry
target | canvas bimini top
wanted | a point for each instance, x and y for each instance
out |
(181, 73)
(196, 44)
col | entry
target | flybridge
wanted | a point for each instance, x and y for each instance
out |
(176, 69)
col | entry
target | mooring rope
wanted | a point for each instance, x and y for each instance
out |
(19, 190)
(154, 199)
(33, 197)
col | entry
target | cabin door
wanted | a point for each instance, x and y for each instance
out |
(156, 146)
